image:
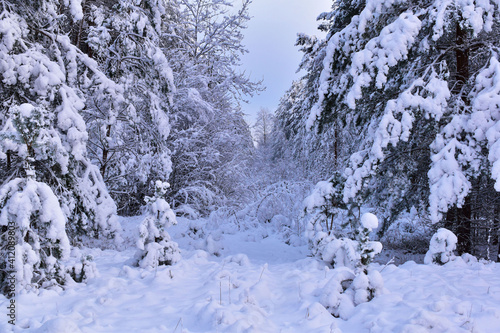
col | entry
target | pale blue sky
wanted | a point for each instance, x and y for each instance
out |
(270, 38)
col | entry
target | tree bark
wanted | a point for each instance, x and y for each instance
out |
(459, 219)
(9, 159)
(105, 152)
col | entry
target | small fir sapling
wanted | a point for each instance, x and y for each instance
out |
(154, 244)
(324, 203)
(441, 247)
(353, 282)
(367, 249)
(340, 252)
(83, 270)
(322, 207)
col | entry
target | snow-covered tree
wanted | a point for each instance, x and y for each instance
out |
(441, 247)
(211, 43)
(410, 90)
(354, 282)
(367, 249)
(316, 157)
(263, 127)
(324, 205)
(154, 244)
(40, 72)
(32, 222)
(210, 141)
(128, 119)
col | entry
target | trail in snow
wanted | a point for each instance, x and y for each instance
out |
(259, 285)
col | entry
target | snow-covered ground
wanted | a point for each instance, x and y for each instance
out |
(257, 285)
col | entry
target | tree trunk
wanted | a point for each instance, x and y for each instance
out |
(459, 219)
(462, 57)
(496, 225)
(9, 159)
(336, 148)
(105, 152)
(464, 228)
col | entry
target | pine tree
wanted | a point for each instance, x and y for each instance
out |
(408, 82)
(41, 68)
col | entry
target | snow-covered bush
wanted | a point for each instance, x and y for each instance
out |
(276, 209)
(281, 198)
(154, 244)
(345, 252)
(205, 236)
(441, 247)
(334, 232)
(280, 204)
(335, 296)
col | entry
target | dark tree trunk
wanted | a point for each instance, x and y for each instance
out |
(464, 228)
(336, 148)
(496, 225)
(459, 219)
(9, 159)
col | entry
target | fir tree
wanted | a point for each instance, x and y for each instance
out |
(33, 224)
(41, 68)
(402, 87)
(154, 244)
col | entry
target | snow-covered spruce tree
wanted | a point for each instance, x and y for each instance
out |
(317, 156)
(128, 121)
(40, 67)
(337, 232)
(33, 237)
(154, 244)
(353, 282)
(285, 137)
(341, 238)
(441, 247)
(323, 210)
(366, 248)
(210, 141)
(416, 83)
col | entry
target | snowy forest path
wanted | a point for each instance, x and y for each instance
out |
(259, 284)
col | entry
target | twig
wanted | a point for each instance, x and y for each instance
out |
(263, 268)
(179, 322)
(388, 263)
